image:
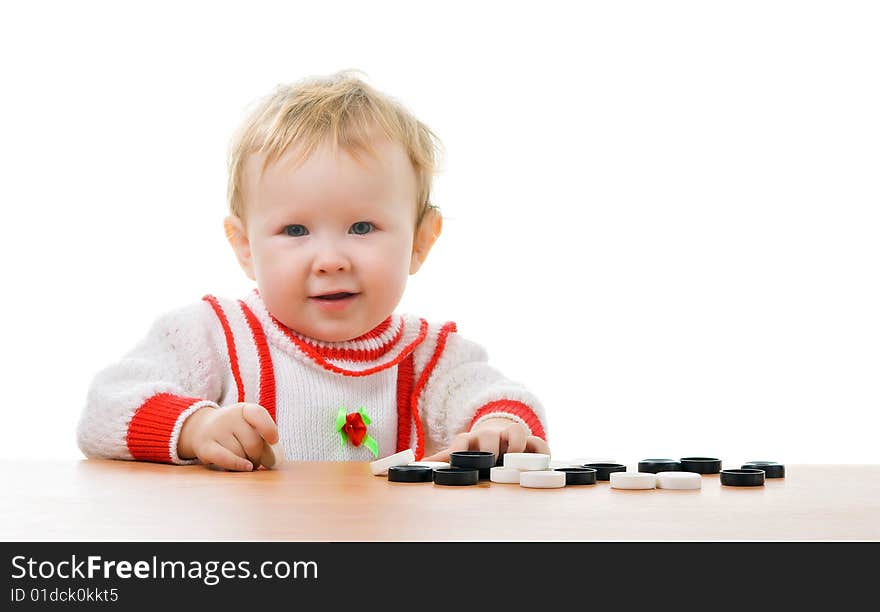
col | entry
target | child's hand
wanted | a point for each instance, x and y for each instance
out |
(232, 437)
(497, 435)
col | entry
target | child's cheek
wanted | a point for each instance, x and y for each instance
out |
(388, 274)
(386, 259)
(282, 272)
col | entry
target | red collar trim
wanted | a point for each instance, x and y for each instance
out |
(367, 347)
(387, 338)
(404, 353)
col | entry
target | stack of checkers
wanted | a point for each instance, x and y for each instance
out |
(416, 471)
(686, 473)
(533, 470)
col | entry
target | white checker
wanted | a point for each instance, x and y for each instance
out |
(633, 480)
(507, 475)
(273, 455)
(380, 466)
(434, 465)
(542, 479)
(526, 461)
(579, 461)
(679, 480)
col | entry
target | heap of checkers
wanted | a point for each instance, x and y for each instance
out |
(534, 471)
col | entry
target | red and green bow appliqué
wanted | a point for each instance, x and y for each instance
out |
(353, 427)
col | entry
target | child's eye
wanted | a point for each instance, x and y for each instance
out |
(296, 230)
(361, 227)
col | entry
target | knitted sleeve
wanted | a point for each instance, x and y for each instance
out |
(136, 407)
(463, 390)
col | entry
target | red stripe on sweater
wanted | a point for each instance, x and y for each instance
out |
(267, 370)
(230, 344)
(423, 379)
(317, 358)
(346, 353)
(358, 354)
(523, 411)
(404, 411)
(149, 432)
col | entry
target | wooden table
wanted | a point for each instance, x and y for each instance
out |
(94, 500)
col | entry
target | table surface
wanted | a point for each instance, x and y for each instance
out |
(97, 500)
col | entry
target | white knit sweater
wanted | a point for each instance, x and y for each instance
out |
(420, 384)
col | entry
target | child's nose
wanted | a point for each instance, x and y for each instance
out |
(328, 261)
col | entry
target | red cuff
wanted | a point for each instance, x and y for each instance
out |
(149, 433)
(513, 407)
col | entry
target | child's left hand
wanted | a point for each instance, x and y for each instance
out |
(497, 435)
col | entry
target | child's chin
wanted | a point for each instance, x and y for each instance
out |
(337, 331)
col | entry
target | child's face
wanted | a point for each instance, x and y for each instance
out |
(333, 226)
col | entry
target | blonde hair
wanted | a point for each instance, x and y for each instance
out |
(341, 107)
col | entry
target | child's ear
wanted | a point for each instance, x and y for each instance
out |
(238, 240)
(426, 235)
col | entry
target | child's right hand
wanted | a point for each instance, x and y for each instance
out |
(232, 437)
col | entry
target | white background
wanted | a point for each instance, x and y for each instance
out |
(661, 216)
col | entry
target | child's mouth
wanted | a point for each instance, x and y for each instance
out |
(335, 296)
(334, 301)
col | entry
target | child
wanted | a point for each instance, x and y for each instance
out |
(329, 188)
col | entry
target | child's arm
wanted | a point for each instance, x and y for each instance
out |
(469, 405)
(136, 407)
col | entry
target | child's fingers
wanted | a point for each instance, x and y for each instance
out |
(459, 443)
(250, 441)
(221, 456)
(534, 444)
(231, 443)
(515, 439)
(260, 419)
(267, 458)
(489, 441)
